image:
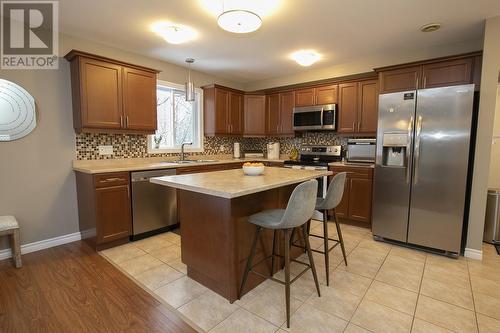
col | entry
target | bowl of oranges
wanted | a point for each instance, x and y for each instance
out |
(253, 169)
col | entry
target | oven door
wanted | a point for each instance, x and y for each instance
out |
(307, 118)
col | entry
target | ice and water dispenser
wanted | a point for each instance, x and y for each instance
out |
(394, 147)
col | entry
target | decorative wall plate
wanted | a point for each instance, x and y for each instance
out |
(17, 111)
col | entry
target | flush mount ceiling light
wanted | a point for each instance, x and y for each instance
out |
(430, 27)
(240, 16)
(239, 21)
(306, 57)
(174, 33)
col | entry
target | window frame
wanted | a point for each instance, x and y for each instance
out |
(198, 91)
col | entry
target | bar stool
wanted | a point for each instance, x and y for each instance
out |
(298, 212)
(330, 202)
(9, 226)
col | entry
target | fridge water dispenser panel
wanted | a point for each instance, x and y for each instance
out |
(394, 147)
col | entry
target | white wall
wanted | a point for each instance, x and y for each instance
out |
(486, 118)
(494, 178)
(367, 63)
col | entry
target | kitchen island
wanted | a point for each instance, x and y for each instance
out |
(215, 235)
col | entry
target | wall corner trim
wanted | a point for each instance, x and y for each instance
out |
(43, 244)
(473, 254)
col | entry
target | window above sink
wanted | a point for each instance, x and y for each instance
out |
(178, 121)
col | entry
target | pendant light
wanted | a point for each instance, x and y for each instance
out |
(189, 85)
(238, 20)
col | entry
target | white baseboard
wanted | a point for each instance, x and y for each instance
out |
(473, 254)
(43, 244)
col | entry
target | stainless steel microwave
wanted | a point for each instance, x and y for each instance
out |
(318, 117)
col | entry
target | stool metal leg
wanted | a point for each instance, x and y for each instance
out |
(273, 252)
(341, 240)
(311, 259)
(326, 247)
(249, 261)
(287, 275)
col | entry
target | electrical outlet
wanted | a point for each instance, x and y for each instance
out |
(105, 150)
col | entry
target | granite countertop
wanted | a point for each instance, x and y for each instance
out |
(233, 183)
(354, 165)
(155, 163)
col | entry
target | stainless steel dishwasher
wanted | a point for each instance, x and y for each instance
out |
(154, 207)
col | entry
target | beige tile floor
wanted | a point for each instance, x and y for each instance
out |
(384, 288)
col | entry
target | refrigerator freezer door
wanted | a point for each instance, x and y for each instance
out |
(391, 196)
(441, 156)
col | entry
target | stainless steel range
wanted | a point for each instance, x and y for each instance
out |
(317, 158)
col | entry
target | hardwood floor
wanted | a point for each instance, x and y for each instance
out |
(70, 288)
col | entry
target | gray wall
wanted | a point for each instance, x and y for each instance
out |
(37, 184)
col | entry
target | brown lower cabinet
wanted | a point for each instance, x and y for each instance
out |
(104, 208)
(356, 204)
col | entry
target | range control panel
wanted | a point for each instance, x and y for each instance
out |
(321, 150)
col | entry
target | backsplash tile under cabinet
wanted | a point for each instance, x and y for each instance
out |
(135, 145)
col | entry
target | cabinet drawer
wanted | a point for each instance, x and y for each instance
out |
(202, 168)
(111, 179)
(353, 172)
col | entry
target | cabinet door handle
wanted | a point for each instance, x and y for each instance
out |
(121, 121)
(353, 126)
(112, 179)
(425, 81)
(416, 83)
(126, 122)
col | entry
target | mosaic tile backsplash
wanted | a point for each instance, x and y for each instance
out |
(135, 145)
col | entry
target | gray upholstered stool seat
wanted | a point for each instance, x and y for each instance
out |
(320, 203)
(298, 212)
(9, 226)
(270, 219)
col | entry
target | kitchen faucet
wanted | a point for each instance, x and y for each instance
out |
(182, 149)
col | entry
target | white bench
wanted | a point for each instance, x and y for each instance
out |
(9, 226)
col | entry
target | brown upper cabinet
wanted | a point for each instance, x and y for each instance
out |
(279, 113)
(434, 73)
(358, 105)
(304, 97)
(255, 115)
(111, 96)
(223, 111)
(326, 94)
(316, 96)
(273, 114)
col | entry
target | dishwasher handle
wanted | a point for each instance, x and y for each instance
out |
(140, 179)
(145, 176)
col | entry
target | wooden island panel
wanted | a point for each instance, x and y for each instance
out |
(216, 238)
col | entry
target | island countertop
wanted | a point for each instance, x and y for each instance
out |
(233, 183)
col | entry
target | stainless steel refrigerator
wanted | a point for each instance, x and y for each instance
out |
(421, 169)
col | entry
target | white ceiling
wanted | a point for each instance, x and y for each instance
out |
(341, 30)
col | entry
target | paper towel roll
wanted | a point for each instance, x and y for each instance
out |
(236, 150)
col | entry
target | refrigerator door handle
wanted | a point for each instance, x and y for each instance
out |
(408, 150)
(417, 149)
